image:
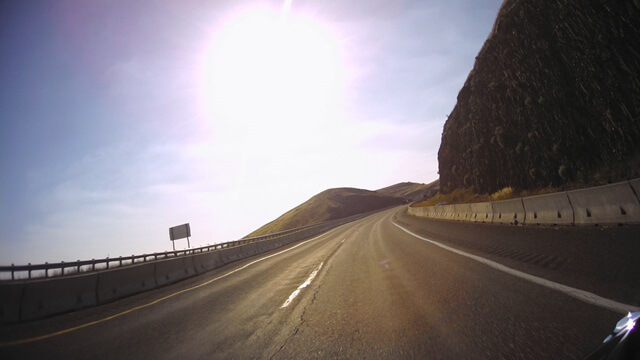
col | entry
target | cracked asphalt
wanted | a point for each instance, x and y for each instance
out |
(381, 293)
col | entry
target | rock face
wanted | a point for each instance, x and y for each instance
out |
(553, 98)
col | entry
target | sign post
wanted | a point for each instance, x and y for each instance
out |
(180, 232)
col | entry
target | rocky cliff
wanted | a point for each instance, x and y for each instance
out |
(553, 98)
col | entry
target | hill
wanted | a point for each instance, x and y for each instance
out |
(411, 191)
(553, 100)
(329, 205)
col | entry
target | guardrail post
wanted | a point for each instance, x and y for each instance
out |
(108, 262)
(12, 278)
(29, 276)
(93, 265)
(46, 271)
(78, 267)
(120, 261)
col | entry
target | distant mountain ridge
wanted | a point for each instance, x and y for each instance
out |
(411, 191)
(334, 204)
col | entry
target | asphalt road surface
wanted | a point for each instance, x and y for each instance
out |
(370, 289)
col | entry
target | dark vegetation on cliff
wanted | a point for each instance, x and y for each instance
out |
(553, 100)
(329, 205)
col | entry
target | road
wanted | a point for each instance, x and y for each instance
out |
(369, 289)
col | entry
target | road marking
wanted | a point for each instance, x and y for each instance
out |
(61, 332)
(582, 295)
(302, 286)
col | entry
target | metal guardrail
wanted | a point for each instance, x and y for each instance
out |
(86, 266)
(108, 263)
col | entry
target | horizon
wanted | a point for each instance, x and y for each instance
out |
(122, 119)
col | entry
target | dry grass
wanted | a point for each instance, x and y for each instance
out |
(458, 196)
(466, 196)
(504, 194)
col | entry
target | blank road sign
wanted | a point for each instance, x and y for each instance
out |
(180, 232)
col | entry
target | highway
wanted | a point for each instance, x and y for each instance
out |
(370, 289)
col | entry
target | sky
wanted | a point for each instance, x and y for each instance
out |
(120, 119)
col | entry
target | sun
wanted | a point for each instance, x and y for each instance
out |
(272, 73)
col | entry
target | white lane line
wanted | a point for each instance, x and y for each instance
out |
(585, 296)
(68, 330)
(302, 286)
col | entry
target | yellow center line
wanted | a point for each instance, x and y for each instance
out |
(61, 332)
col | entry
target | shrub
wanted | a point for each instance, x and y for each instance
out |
(504, 194)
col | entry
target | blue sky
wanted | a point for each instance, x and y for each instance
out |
(119, 119)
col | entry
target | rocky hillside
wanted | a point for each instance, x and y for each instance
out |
(553, 99)
(329, 205)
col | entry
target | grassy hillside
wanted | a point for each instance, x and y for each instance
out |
(329, 205)
(411, 191)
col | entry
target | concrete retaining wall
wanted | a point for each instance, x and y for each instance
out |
(463, 212)
(249, 250)
(449, 212)
(173, 270)
(508, 211)
(481, 212)
(439, 211)
(44, 298)
(635, 185)
(548, 209)
(230, 255)
(207, 262)
(10, 298)
(121, 282)
(604, 205)
(36, 299)
(609, 204)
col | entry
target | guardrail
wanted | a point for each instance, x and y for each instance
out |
(93, 265)
(86, 266)
(36, 298)
(617, 203)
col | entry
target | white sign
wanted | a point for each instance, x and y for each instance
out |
(180, 232)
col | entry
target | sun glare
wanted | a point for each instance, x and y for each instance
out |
(272, 74)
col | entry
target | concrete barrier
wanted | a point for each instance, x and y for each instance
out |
(173, 270)
(548, 209)
(440, 214)
(508, 211)
(463, 212)
(35, 299)
(423, 211)
(481, 212)
(414, 211)
(10, 299)
(121, 282)
(249, 250)
(635, 185)
(207, 261)
(48, 297)
(265, 245)
(608, 204)
(449, 212)
(230, 255)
